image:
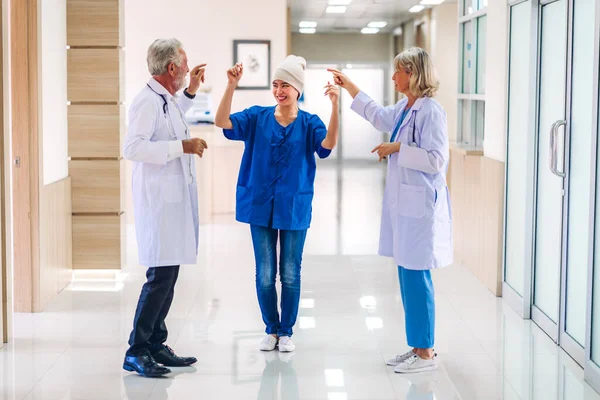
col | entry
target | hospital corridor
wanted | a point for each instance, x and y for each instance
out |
(300, 200)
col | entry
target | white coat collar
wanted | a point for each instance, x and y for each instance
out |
(418, 103)
(158, 88)
(415, 107)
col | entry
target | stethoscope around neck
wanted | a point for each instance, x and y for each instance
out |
(165, 107)
(163, 97)
(413, 142)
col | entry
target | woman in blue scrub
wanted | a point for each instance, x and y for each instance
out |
(416, 222)
(276, 184)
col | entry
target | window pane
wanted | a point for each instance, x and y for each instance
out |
(464, 125)
(479, 121)
(481, 53)
(468, 59)
(483, 4)
(470, 6)
(471, 122)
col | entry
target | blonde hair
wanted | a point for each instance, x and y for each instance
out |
(417, 62)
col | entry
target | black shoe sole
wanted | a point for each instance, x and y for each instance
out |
(131, 368)
(178, 366)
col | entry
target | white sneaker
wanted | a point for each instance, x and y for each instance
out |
(268, 343)
(392, 362)
(416, 364)
(286, 345)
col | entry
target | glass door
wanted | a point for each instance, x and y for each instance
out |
(592, 344)
(520, 159)
(550, 165)
(550, 174)
(564, 171)
(579, 179)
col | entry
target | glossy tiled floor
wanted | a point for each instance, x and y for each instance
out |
(350, 321)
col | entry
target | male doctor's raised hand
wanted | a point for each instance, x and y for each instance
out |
(195, 145)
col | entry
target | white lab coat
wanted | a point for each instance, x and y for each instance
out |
(165, 194)
(416, 221)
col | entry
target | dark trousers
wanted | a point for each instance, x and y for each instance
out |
(149, 328)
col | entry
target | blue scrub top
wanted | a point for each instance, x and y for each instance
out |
(276, 181)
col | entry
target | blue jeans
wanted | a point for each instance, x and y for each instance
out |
(416, 288)
(290, 259)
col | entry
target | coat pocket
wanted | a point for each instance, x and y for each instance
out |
(442, 209)
(411, 201)
(172, 188)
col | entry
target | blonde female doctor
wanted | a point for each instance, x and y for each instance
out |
(416, 222)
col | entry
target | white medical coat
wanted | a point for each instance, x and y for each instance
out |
(165, 194)
(416, 221)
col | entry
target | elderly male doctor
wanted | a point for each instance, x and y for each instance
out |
(165, 199)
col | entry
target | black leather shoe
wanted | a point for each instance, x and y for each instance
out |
(167, 357)
(144, 365)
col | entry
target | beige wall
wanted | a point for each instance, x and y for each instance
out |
(477, 188)
(496, 80)
(444, 50)
(342, 47)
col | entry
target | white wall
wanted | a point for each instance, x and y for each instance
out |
(496, 80)
(53, 52)
(207, 30)
(444, 51)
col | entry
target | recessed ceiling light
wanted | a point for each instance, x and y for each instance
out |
(416, 9)
(377, 24)
(339, 2)
(336, 9)
(369, 31)
(307, 24)
(431, 2)
(308, 30)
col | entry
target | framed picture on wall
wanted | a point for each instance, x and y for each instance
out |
(256, 57)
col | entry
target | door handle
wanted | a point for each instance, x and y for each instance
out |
(554, 148)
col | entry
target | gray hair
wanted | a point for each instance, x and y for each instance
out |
(161, 53)
(416, 61)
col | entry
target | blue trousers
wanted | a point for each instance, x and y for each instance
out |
(416, 288)
(291, 245)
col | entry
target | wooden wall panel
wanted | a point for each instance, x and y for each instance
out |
(492, 172)
(95, 32)
(98, 242)
(96, 130)
(95, 75)
(477, 194)
(96, 185)
(25, 146)
(95, 23)
(3, 238)
(56, 256)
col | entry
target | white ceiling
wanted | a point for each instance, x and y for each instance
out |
(358, 15)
